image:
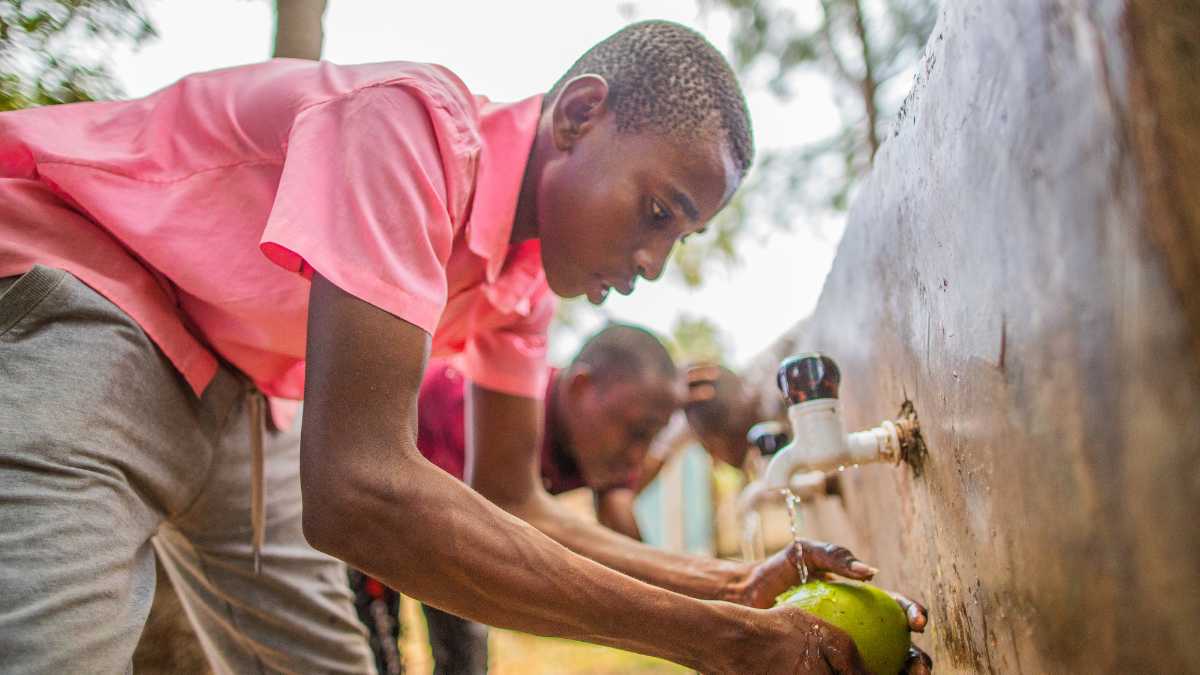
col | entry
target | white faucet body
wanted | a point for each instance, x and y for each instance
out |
(819, 443)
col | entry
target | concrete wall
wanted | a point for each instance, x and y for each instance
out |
(1022, 266)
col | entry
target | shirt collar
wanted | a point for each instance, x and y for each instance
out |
(507, 130)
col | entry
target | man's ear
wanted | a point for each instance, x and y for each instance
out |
(580, 381)
(580, 104)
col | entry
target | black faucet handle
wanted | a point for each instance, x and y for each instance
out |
(806, 377)
(768, 437)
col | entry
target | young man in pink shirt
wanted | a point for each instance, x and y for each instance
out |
(304, 230)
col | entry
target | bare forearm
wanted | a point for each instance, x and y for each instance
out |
(438, 541)
(697, 576)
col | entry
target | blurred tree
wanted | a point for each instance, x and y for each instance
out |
(299, 29)
(696, 339)
(861, 47)
(53, 51)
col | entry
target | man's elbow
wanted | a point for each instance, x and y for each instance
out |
(320, 533)
(325, 529)
(335, 508)
(346, 504)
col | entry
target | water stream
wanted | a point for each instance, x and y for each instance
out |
(753, 548)
(793, 520)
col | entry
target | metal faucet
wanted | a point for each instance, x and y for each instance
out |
(810, 384)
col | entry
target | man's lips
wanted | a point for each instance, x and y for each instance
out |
(598, 290)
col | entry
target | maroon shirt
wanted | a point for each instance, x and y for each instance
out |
(441, 429)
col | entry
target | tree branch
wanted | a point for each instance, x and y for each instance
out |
(298, 30)
(867, 85)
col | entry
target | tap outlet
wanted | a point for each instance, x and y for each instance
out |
(810, 382)
(804, 485)
(769, 437)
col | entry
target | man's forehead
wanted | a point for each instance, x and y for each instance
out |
(657, 389)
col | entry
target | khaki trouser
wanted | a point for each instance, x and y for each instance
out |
(108, 459)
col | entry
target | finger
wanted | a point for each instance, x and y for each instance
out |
(915, 611)
(842, 656)
(918, 662)
(822, 557)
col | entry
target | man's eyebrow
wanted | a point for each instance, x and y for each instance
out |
(685, 203)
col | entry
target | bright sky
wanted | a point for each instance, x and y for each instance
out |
(510, 50)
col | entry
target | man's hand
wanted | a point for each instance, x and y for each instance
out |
(764, 581)
(794, 642)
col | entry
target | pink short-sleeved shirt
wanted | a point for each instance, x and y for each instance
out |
(203, 210)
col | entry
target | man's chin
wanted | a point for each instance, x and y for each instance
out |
(564, 288)
(558, 285)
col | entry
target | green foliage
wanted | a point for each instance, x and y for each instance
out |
(54, 51)
(696, 339)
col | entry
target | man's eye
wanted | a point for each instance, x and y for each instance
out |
(658, 214)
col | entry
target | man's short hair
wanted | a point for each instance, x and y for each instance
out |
(666, 78)
(623, 351)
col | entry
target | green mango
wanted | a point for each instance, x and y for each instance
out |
(873, 619)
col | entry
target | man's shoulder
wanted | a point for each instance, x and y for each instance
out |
(437, 85)
(301, 85)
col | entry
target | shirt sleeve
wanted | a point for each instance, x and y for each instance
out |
(362, 201)
(512, 360)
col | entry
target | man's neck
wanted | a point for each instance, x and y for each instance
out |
(525, 219)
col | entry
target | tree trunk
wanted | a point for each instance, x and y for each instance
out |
(298, 30)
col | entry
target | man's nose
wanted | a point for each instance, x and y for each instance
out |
(651, 260)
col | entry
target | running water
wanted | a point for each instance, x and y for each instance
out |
(793, 517)
(752, 536)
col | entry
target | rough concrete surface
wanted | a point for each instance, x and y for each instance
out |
(1021, 264)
